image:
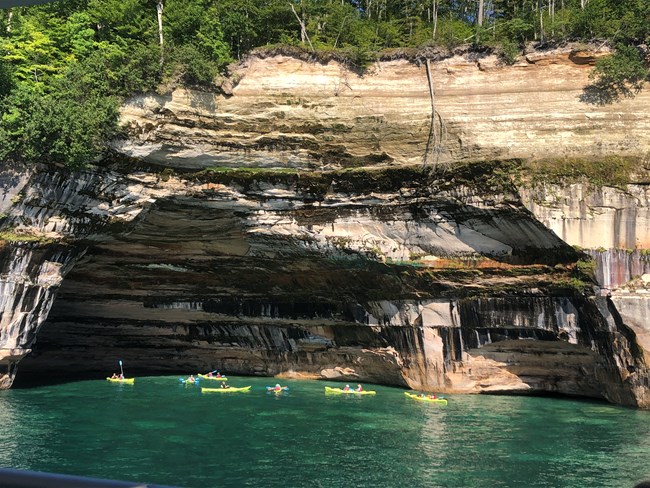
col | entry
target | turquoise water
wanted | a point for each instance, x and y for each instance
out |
(161, 432)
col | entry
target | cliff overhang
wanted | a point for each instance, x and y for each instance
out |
(317, 222)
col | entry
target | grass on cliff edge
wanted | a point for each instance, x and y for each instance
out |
(482, 175)
(487, 176)
(10, 236)
(616, 171)
(317, 182)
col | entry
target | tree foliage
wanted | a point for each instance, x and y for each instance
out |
(66, 65)
(618, 76)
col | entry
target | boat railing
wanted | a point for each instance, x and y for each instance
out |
(18, 478)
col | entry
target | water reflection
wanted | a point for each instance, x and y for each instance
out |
(9, 431)
(432, 441)
(27, 431)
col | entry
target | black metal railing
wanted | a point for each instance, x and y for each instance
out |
(16, 478)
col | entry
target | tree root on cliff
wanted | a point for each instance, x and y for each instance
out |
(437, 131)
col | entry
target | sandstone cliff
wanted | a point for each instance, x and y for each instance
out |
(315, 222)
(292, 113)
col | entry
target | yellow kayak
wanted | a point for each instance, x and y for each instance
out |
(128, 381)
(440, 401)
(217, 378)
(340, 391)
(243, 389)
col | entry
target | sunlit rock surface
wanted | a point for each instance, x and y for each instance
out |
(342, 250)
(292, 113)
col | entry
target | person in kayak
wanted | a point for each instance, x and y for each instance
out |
(433, 396)
(115, 376)
(191, 379)
(224, 385)
(277, 387)
(358, 388)
(347, 388)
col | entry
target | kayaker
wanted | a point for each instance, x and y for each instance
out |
(277, 387)
(224, 385)
(347, 388)
(433, 396)
(210, 374)
(115, 376)
(359, 388)
(121, 376)
(191, 379)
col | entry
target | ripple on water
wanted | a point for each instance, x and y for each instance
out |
(159, 432)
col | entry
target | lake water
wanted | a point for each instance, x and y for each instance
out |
(159, 431)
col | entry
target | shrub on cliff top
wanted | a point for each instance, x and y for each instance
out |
(615, 77)
(67, 126)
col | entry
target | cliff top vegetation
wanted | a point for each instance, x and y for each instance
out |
(65, 66)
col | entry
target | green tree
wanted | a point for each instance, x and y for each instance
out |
(617, 76)
(197, 51)
(69, 125)
(80, 35)
(33, 54)
(7, 82)
(240, 30)
(124, 19)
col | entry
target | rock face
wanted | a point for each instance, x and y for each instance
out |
(291, 113)
(306, 225)
(611, 224)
